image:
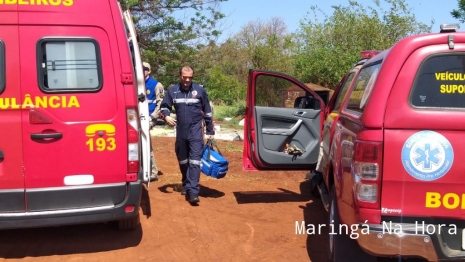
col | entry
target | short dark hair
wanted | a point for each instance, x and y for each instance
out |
(185, 67)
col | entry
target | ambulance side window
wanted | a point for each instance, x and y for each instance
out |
(2, 66)
(69, 65)
(362, 88)
(343, 92)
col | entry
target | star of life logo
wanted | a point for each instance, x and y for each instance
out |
(427, 155)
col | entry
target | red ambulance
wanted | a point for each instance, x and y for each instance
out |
(74, 141)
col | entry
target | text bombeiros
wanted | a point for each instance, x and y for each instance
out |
(355, 230)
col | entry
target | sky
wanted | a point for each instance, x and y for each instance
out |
(240, 12)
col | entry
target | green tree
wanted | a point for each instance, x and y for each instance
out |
(258, 45)
(460, 12)
(225, 80)
(326, 50)
(267, 45)
(172, 32)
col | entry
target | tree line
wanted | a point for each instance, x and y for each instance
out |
(177, 32)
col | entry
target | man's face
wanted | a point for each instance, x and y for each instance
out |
(186, 78)
(146, 72)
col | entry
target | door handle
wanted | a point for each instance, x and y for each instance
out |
(45, 136)
(141, 97)
(2, 156)
(299, 113)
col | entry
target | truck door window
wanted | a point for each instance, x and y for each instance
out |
(69, 65)
(343, 91)
(279, 92)
(362, 88)
(440, 82)
(2, 66)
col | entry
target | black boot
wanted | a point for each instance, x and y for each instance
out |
(193, 199)
(316, 178)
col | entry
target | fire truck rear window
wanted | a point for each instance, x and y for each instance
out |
(69, 65)
(440, 82)
(2, 66)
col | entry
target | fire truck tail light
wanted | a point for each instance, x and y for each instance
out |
(366, 192)
(368, 171)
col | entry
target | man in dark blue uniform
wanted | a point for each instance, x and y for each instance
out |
(191, 104)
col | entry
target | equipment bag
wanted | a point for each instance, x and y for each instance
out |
(213, 162)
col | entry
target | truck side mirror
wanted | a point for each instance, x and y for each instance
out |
(306, 102)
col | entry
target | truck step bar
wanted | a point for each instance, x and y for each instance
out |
(324, 195)
(318, 184)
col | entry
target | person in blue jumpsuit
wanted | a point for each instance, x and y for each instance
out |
(192, 107)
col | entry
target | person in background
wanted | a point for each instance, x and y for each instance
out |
(192, 107)
(155, 91)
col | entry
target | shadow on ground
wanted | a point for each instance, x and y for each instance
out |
(313, 214)
(204, 191)
(282, 195)
(145, 203)
(315, 218)
(318, 237)
(65, 240)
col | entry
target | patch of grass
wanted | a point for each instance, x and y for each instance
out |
(232, 124)
(221, 112)
(232, 148)
(161, 134)
(170, 178)
(157, 148)
(252, 179)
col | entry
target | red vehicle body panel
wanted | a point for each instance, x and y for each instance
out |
(395, 160)
(71, 119)
(11, 166)
(81, 174)
(443, 122)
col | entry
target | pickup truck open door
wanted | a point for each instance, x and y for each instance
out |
(283, 123)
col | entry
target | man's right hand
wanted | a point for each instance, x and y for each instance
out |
(153, 122)
(170, 121)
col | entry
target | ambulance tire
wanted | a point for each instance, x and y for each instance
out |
(341, 247)
(129, 223)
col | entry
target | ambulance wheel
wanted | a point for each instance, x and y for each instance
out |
(129, 223)
(341, 247)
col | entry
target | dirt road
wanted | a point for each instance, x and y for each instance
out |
(247, 216)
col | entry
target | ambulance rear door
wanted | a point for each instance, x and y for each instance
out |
(11, 149)
(74, 119)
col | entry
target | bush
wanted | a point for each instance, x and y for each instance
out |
(221, 112)
(223, 89)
